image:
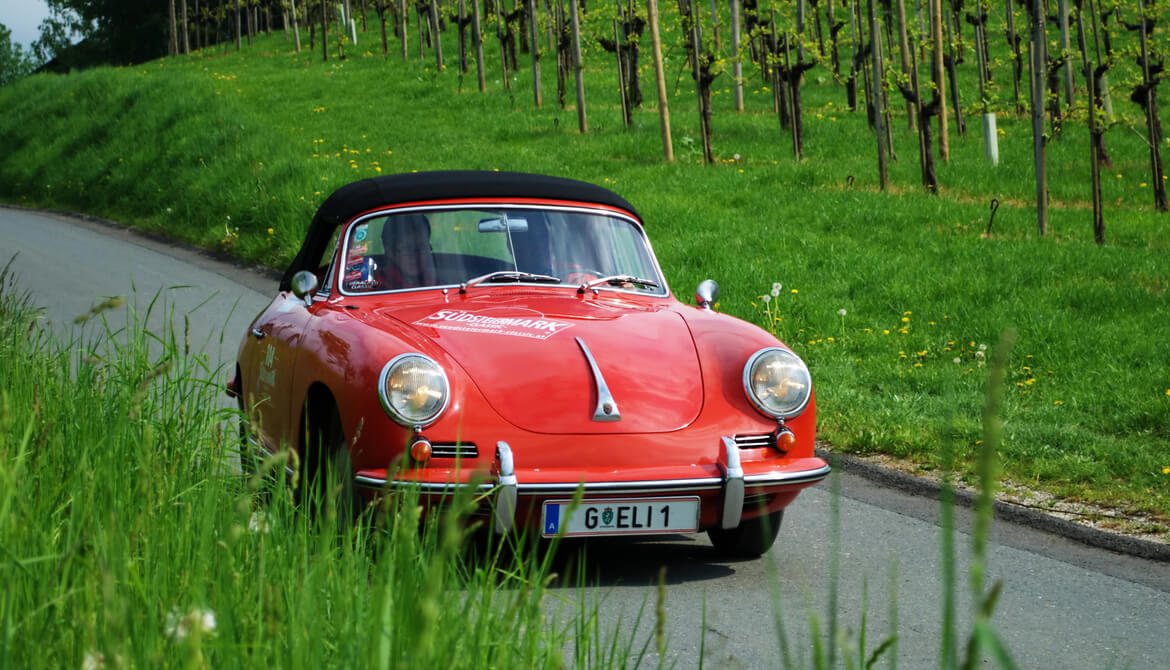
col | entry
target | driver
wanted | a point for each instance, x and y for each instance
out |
(407, 260)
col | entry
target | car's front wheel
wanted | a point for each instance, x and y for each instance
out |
(751, 538)
(329, 472)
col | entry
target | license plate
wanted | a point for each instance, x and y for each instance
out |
(631, 516)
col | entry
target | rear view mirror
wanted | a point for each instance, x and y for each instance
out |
(497, 225)
(303, 285)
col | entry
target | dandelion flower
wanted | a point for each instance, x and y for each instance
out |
(957, 360)
(1166, 471)
(766, 298)
(794, 291)
(983, 347)
(270, 231)
(1057, 402)
(979, 354)
(776, 286)
(841, 312)
(775, 293)
(905, 319)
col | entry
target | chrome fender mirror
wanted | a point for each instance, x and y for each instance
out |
(304, 283)
(707, 294)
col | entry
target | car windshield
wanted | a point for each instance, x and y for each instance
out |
(423, 248)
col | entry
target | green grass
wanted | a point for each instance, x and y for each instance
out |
(235, 151)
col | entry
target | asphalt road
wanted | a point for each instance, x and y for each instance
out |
(1064, 604)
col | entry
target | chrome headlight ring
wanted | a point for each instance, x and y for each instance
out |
(777, 382)
(413, 390)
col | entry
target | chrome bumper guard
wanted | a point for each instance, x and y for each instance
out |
(507, 489)
(732, 484)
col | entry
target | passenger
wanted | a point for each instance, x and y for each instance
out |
(407, 261)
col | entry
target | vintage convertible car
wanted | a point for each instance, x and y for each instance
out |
(514, 333)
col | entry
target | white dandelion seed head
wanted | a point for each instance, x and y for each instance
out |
(180, 626)
(93, 660)
(766, 298)
(775, 293)
(841, 312)
(258, 522)
(983, 347)
(776, 286)
(958, 360)
(735, 157)
(979, 354)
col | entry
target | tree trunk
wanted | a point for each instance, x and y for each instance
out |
(239, 43)
(904, 50)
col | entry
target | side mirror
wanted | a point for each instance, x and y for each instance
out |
(707, 293)
(304, 283)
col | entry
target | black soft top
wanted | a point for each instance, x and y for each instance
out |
(362, 196)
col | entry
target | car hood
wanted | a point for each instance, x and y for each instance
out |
(521, 349)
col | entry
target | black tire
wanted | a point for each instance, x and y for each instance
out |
(329, 471)
(750, 539)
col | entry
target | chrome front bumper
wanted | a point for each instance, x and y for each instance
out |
(507, 489)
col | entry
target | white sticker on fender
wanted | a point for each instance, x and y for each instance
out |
(535, 327)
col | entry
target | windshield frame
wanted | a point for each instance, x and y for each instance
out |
(342, 250)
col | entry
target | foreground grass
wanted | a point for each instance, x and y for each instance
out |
(242, 148)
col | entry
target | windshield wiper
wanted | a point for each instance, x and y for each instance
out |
(617, 280)
(509, 276)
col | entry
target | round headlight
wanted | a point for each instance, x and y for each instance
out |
(777, 382)
(413, 390)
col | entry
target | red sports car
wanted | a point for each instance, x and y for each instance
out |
(514, 332)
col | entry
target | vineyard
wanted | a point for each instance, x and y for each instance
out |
(932, 69)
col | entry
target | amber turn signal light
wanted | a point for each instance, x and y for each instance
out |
(420, 450)
(785, 440)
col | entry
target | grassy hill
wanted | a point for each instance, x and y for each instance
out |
(894, 298)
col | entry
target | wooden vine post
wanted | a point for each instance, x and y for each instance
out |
(582, 123)
(621, 71)
(436, 37)
(1038, 64)
(1147, 96)
(904, 51)
(402, 29)
(324, 32)
(477, 41)
(1017, 60)
(990, 139)
(295, 25)
(875, 36)
(939, 75)
(1095, 128)
(660, 80)
(737, 61)
(501, 35)
(534, 48)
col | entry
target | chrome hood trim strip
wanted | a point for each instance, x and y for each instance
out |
(607, 409)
